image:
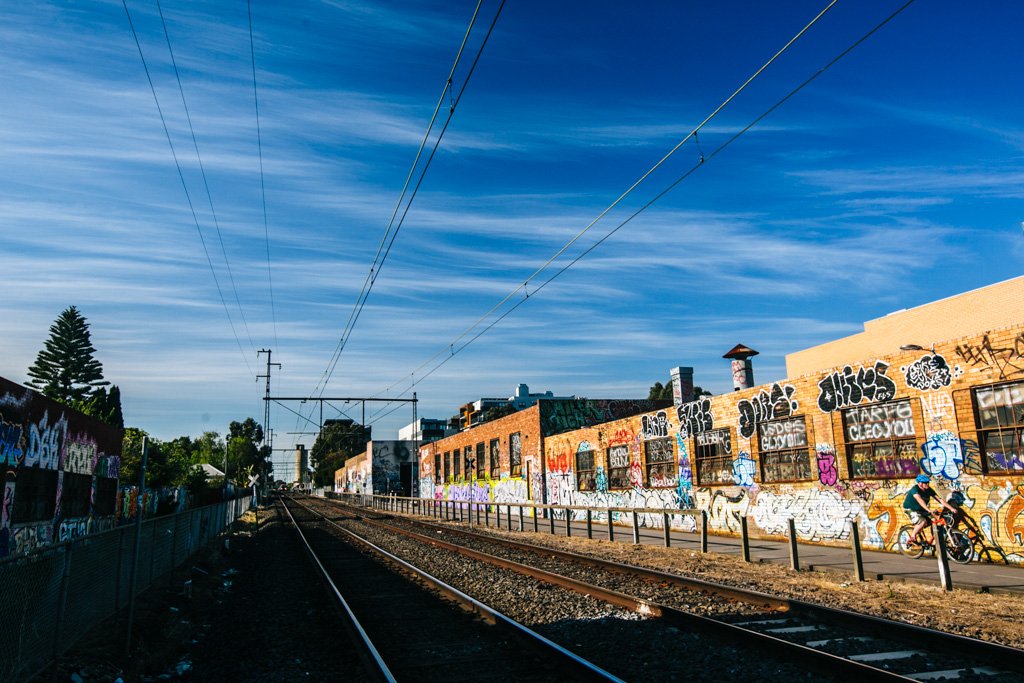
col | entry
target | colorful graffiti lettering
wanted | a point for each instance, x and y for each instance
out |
(45, 442)
(942, 455)
(828, 473)
(767, 404)
(846, 388)
(743, 469)
(11, 448)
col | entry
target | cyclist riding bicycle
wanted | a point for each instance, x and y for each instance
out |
(915, 504)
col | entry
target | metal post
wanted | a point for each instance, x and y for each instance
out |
(611, 527)
(636, 528)
(568, 522)
(745, 538)
(942, 556)
(551, 520)
(703, 531)
(794, 557)
(668, 530)
(858, 560)
(535, 519)
(62, 606)
(138, 542)
(521, 518)
(497, 517)
(508, 517)
(590, 524)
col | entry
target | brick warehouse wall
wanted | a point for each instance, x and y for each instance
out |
(821, 422)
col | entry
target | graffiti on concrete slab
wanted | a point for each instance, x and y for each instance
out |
(12, 447)
(45, 442)
(767, 404)
(848, 388)
(930, 372)
(1007, 361)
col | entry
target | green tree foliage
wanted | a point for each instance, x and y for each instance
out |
(103, 406)
(659, 392)
(65, 369)
(337, 442)
(246, 455)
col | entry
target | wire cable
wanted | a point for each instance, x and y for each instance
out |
(184, 186)
(451, 348)
(263, 187)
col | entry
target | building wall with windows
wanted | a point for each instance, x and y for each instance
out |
(60, 471)
(828, 448)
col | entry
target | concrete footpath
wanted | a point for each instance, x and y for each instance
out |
(882, 566)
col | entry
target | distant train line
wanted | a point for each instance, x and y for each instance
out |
(413, 626)
(843, 643)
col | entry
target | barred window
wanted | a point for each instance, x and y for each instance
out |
(585, 471)
(713, 456)
(495, 458)
(437, 468)
(456, 465)
(35, 495)
(447, 466)
(481, 460)
(880, 440)
(618, 467)
(76, 492)
(106, 496)
(660, 469)
(999, 412)
(783, 449)
(515, 454)
(467, 465)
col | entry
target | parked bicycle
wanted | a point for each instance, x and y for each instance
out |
(959, 547)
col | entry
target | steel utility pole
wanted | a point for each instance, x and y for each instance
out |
(268, 433)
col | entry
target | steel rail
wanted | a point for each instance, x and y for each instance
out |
(583, 667)
(376, 664)
(1005, 656)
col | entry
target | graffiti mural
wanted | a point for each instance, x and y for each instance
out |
(938, 410)
(695, 417)
(828, 473)
(930, 372)
(943, 456)
(820, 515)
(743, 469)
(848, 388)
(1007, 361)
(654, 426)
(767, 404)
(724, 510)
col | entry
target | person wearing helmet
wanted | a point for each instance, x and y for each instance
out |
(915, 504)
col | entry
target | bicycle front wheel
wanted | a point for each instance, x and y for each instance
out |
(960, 549)
(903, 542)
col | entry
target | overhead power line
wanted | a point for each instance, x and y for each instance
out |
(451, 348)
(393, 227)
(184, 186)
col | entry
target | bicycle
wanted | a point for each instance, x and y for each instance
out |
(959, 547)
(980, 550)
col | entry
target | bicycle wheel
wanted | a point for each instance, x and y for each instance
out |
(992, 555)
(902, 542)
(959, 547)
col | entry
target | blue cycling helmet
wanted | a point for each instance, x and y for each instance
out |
(923, 479)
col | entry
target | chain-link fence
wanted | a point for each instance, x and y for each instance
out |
(51, 597)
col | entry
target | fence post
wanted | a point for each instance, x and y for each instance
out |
(703, 531)
(65, 579)
(521, 518)
(942, 556)
(551, 520)
(611, 527)
(668, 530)
(535, 519)
(745, 538)
(590, 524)
(568, 522)
(138, 542)
(636, 528)
(858, 560)
(794, 556)
(508, 517)
(497, 517)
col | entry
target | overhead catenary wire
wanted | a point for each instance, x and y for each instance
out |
(184, 185)
(452, 350)
(202, 173)
(263, 187)
(391, 232)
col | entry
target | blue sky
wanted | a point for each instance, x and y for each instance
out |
(892, 180)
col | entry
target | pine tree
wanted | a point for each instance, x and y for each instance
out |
(65, 369)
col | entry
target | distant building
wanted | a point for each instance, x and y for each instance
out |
(384, 467)
(424, 430)
(472, 413)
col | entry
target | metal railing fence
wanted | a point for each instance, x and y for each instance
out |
(50, 597)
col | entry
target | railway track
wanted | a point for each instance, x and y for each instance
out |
(842, 643)
(408, 631)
